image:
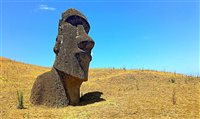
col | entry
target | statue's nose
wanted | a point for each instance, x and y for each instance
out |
(86, 45)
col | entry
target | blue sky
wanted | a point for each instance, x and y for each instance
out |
(160, 35)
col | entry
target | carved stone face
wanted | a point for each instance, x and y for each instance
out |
(73, 45)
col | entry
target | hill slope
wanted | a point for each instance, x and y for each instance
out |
(109, 93)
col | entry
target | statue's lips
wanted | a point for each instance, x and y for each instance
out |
(84, 56)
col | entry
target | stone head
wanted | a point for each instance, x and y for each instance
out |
(73, 45)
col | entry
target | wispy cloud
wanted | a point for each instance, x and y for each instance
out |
(45, 7)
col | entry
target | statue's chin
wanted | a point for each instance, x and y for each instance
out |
(84, 60)
(83, 76)
(77, 65)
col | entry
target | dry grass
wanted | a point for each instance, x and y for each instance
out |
(128, 94)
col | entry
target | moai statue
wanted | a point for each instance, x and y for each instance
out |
(61, 86)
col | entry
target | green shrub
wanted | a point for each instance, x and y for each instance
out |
(172, 80)
(20, 100)
(124, 68)
(174, 96)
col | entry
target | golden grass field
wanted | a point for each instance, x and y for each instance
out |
(126, 94)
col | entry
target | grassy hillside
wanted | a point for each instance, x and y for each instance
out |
(109, 93)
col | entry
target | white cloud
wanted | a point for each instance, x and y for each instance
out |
(45, 7)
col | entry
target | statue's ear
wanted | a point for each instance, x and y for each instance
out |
(58, 44)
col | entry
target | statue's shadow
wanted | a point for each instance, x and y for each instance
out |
(90, 98)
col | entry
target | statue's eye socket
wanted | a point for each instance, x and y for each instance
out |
(77, 20)
(86, 45)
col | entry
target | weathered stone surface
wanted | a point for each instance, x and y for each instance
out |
(48, 90)
(61, 86)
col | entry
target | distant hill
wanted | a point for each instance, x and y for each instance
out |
(109, 93)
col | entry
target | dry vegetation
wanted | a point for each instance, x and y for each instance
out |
(126, 94)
